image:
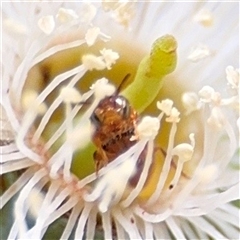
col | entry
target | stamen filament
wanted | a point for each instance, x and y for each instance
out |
(176, 231)
(201, 223)
(71, 221)
(56, 102)
(20, 209)
(128, 226)
(18, 165)
(91, 223)
(135, 192)
(107, 226)
(166, 166)
(15, 187)
(82, 221)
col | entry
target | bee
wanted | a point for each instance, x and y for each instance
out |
(115, 126)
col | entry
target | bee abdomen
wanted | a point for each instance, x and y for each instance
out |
(120, 139)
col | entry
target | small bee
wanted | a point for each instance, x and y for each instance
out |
(115, 123)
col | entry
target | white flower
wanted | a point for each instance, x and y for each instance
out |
(59, 61)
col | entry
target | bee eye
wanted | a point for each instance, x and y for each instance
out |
(123, 106)
(126, 111)
(95, 120)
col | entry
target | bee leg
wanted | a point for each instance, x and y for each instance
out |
(100, 159)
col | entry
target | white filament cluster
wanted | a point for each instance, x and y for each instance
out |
(182, 203)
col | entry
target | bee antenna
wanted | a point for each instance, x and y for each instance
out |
(122, 83)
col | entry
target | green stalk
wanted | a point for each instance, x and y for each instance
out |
(151, 71)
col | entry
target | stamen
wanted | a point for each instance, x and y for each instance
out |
(204, 17)
(112, 191)
(15, 187)
(201, 223)
(184, 152)
(36, 231)
(153, 218)
(70, 95)
(127, 225)
(110, 57)
(161, 231)
(15, 26)
(29, 102)
(46, 24)
(166, 167)
(198, 53)
(91, 35)
(18, 165)
(79, 73)
(232, 77)
(91, 223)
(148, 230)
(174, 228)
(190, 102)
(87, 12)
(80, 136)
(102, 89)
(58, 160)
(226, 216)
(134, 150)
(107, 225)
(134, 193)
(217, 119)
(120, 231)
(53, 50)
(165, 106)
(206, 94)
(22, 72)
(174, 116)
(148, 127)
(71, 221)
(68, 205)
(11, 157)
(19, 209)
(82, 221)
(229, 231)
(62, 128)
(91, 62)
(66, 15)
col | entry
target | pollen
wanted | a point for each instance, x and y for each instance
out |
(70, 95)
(91, 62)
(148, 127)
(110, 57)
(165, 106)
(174, 115)
(102, 88)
